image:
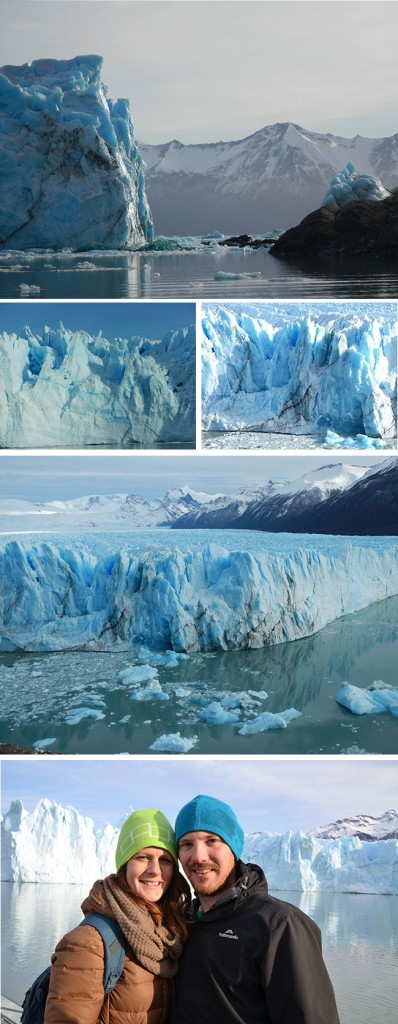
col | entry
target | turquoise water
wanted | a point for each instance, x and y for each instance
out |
(360, 942)
(38, 689)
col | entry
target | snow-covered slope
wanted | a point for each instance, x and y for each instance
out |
(186, 591)
(57, 844)
(269, 179)
(364, 826)
(71, 173)
(274, 505)
(313, 373)
(67, 388)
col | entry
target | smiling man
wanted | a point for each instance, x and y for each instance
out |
(250, 958)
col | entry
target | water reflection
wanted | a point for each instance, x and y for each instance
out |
(38, 689)
(360, 940)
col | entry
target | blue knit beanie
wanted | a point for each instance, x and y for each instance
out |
(207, 814)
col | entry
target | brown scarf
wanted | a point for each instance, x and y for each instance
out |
(154, 946)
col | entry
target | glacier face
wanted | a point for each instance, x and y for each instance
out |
(57, 844)
(67, 388)
(71, 172)
(349, 187)
(312, 373)
(191, 593)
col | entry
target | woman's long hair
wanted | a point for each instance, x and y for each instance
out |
(171, 909)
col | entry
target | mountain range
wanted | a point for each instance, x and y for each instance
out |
(333, 499)
(364, 826)
(270, 179)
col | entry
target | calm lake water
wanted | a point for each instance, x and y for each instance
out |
(360, 942)
(37, 690)
(131, 275)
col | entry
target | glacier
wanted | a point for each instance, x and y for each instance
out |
(58, 844)
(190, 593)
(314, 372)
(71, 173)
(68, 388)
(349, 186)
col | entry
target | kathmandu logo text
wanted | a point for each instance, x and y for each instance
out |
(228, 934)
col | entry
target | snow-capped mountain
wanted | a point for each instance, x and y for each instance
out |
(365, 826)
(57, 844)
(333, 500)
(269, 179)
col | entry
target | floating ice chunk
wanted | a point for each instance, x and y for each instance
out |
(260, 694)
(95, 702)
(224, 275)
(359, 441)
(215, 714)
(174, 658)
(151, 692)
(33, 288)
(124, 720)
(174, 743)
(48, 742)
(181, 691)
(145, 655)
(372, 701)
(75, 715)
(135, 674)
(269, 721)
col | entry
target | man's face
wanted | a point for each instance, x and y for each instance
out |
(208, 862)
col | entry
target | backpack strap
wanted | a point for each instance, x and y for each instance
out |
(114, 947)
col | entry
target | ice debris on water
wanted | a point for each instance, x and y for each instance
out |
(374, 700)
(267, 720)
(75, 715)
(174, 743)
(136, 674)
(41, 744)
(151, 692)
(215, 714)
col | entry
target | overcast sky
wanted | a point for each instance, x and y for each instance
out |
(267, 795)
(55, 476)
(203, 71)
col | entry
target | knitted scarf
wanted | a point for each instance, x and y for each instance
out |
(154, 946)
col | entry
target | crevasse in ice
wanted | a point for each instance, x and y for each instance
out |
(312, 373)
(71, 173)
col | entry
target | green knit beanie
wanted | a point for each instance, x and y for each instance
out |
(142, 829)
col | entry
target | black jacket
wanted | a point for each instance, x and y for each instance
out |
(253, 959)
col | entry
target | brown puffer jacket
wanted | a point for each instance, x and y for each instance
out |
(76, 993)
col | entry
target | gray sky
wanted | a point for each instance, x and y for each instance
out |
(205, 70)
(55, 476)
(267, 795)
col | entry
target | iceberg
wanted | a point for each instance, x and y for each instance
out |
(71, 173)
(67, 388)
(370, 701)
(349, 186)
(57, 844)
(313, 372)
(118, 591)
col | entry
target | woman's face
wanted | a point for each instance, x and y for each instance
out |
(149, 873)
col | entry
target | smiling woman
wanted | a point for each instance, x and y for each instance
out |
(144, 904)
